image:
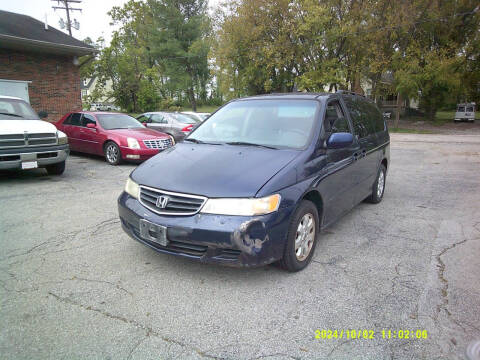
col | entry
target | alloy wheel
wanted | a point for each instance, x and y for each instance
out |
(112, 153)
(305, 237)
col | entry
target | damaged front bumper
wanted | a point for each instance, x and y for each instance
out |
(218, 239)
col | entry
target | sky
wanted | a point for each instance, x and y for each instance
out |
(93, 19)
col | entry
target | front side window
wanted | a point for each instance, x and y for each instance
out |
(335, 121)
(118, 121)
(14, 109)
(88, 119)
(273, 123)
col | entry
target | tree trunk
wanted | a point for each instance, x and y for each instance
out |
(193, 102)
(397, 113)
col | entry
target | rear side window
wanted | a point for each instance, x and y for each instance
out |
(68, 120)
(75, 119)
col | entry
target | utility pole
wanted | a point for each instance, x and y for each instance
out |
(67, 8)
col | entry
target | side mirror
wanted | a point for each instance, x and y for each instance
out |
(42, 114)
(339, 140)
(91, 126)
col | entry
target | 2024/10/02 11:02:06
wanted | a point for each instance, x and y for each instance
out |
(370, 334)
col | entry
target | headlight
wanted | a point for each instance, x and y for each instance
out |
(62, 138)
(133, 143)
(173, 140)
(132, 188)
(242, 207)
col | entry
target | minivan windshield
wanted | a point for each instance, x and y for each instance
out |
(270, 123)
(15, 109)
(118, 121)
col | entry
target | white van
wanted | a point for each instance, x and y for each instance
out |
(465, 112)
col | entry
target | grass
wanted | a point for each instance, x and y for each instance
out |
(409, 131)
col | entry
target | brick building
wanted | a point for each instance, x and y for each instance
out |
(40, 64)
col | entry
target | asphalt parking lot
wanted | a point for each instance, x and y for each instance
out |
(73, 285)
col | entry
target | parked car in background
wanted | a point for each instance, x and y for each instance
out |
(113, 135)
(465, 112)
(27, 142)
(257, 181)
(173, 123)
(197, 116)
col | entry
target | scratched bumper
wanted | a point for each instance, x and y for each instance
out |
(216, 239)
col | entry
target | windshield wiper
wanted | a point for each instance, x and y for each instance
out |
(251, 144)
(10, 114)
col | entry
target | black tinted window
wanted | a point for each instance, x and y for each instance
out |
(366, 118)
(75, 119)
(68, 120)
(358, 119)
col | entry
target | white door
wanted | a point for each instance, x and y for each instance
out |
(15, 88)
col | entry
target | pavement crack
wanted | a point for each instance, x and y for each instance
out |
(441, 276)
(102, 282)
(135, 347)
(148, 330)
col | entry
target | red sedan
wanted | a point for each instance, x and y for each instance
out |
(116, 136)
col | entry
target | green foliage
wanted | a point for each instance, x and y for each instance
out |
(426, 50)
(158, 55)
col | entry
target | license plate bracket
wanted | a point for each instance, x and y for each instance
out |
(153, 232)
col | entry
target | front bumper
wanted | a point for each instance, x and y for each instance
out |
(44, 155)
(216, 239)
(138, 154)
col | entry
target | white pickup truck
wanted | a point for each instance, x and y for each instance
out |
(26, 142)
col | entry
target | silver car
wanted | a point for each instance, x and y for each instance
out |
(173, 123)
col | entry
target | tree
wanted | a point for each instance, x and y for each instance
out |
(180, 45)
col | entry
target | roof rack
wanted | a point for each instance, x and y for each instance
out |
(349, 92)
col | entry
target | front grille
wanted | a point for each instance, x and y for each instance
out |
(26, 140)
(228, 254)
(10, 158)
(176, 203)
(47, 155)
(158, 143)
(173, 246)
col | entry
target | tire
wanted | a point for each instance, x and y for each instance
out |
(295, 256)
(112, 153)
(56, 169)
(377, 194)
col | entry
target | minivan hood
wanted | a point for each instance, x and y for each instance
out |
(213, 170)
(20, 126)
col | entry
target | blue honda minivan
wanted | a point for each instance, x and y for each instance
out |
(259, 179)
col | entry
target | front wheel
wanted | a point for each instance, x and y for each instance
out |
(301, 238)
(378, 187)
(112, 153)
(56, 169)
